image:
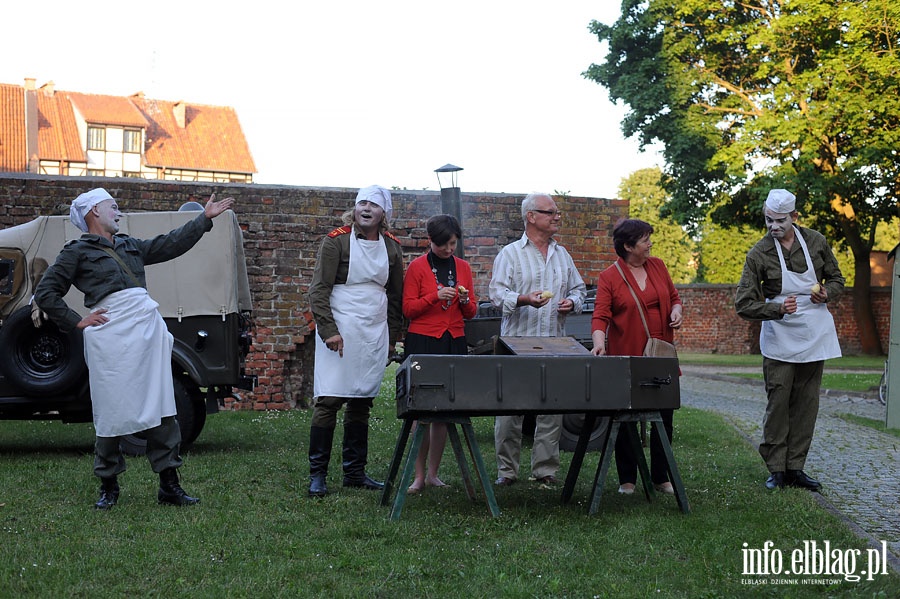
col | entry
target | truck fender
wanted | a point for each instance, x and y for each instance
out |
(183, 360)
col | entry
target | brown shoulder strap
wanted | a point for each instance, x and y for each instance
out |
(121, 262)
(636, 300)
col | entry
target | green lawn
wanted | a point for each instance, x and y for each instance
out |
(839, 372)
(256, 534)
(845, 362)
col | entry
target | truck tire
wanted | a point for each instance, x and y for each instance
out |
(191, 416)
(40, 361)
(571, 429)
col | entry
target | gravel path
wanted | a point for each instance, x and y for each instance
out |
(859, 467)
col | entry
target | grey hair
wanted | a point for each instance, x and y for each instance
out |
(529, 202)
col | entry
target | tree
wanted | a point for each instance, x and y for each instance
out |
(723, 250)
(645, 196)
(747, 96)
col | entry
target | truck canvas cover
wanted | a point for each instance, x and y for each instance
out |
(200, 282)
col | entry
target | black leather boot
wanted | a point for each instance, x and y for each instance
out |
(109, 493)
(170, 492)
(356, 449)
(798, 478)
(320, 439)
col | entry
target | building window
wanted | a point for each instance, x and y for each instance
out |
(132, 141)
(131, 174)
(93, 172)
(96, 138)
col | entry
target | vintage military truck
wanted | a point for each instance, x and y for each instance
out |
(203, 296)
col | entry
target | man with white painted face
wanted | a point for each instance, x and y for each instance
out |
(788, 278)
(356, 299)
(127, 347)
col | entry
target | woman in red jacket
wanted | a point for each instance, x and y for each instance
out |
(617, 329)
(437, 296)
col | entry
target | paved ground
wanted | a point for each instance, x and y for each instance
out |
(859, 467)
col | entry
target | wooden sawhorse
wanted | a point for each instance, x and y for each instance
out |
(468, 432)
(616, 420)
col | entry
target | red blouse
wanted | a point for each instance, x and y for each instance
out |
(422, 306)
(616, 313)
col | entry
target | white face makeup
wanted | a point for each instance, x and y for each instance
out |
(367, 214)
(777, 223)
(108, 216)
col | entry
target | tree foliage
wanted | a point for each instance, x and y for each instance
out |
(722, 251)
(671, 244)
(747, 96)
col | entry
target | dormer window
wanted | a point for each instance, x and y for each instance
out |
(132, 142)
(96, 138)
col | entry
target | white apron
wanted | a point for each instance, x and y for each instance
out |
(809, 334)
(129, 365)
(360, 312)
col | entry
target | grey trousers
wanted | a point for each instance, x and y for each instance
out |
(544, 452)
(163, 447)
(790, 420)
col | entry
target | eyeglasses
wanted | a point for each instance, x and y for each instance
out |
(549, 212)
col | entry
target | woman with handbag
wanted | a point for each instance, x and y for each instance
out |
(636, 311)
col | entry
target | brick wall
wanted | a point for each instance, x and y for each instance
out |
(712, 326)
(283, 227)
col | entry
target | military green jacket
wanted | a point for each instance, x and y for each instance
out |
(332, 267)
(86, 265)
(761, 277)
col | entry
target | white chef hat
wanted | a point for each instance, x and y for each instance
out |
(781, 201)
(377, 195)
(85, 202)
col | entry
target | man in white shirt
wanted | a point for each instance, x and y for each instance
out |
(536, 284)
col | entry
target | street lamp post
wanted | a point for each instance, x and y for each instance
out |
(451, 202)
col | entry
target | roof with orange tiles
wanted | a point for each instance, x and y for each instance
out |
(205, 138)
(209, 137)
(12, 128)
(107, 110)
(57, 133)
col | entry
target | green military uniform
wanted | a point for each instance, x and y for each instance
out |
(353, 300)
(85, 264)
(332, 268)
(144, 403)
(793, 371)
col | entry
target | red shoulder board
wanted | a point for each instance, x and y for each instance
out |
(390, 235)
(339, 231)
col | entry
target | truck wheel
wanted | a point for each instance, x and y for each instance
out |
(42, 361)
(186, 406)
(571, 429)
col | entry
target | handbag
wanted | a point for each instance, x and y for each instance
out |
(656, 348)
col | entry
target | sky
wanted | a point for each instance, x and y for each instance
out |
(356, 93)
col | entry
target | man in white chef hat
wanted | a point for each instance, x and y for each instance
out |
(788, 278)
(127, 346)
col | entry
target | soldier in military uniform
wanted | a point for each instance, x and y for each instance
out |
(788, 279)
(127, 346)
(356, 299)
